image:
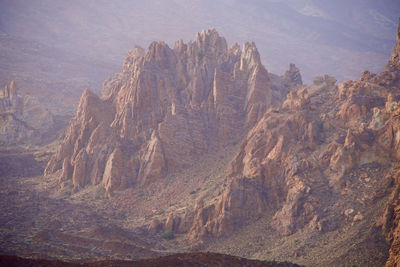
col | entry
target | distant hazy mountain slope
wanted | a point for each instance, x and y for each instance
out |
(341, 37)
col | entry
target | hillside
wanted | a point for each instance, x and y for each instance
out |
(309, 168)
(188, 259)
(341, 38)
(198, 147)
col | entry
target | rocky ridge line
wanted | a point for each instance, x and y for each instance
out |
(165, 109)
(298, 161)
(305, 160)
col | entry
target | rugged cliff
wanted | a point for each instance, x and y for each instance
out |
(329, 152)
(165, 109)
(22, 118)
(314, 162)
(390, 219)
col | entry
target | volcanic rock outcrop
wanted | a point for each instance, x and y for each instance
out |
(388, 119)
(306, 147)
(300, 159)
(166, 108)
(307, 154)
(22, 118)
(292, 76)
(395, 57)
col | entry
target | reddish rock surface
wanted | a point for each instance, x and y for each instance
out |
(166, 108)
(299, 156)
(319, 157)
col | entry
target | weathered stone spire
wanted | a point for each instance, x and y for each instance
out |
(395, 58)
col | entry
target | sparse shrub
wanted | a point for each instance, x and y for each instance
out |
(5, 230)
(168, 235)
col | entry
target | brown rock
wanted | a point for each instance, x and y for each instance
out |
(153, 166)
(284, 220)
(169, 106)
(79, 176)
(277, 156)
(172, 223)
(297, 99)
(155, 226)
(113, 170)
(395, 57)
(13, 90)
(67, 170)
(358, 217)
(292, 76)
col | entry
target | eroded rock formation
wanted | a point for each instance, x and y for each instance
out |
(308, 151)
(22, 118)
(395, 57)
(299, 159)
(292, 76)
(308, 145)
(388, 120)
(165, 109)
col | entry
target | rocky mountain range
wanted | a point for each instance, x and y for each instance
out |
(167, 108)
(202, 141)
(55, 49)
(340, 38)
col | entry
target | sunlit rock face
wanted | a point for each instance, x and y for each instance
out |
(165, 109)
(388, 120)
(307, 154)
(301, 158)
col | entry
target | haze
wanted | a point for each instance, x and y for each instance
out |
(340, 38)
(267, 130)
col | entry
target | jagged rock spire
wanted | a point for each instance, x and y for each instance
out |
(211, 94)
(292, 75)
(395, 58)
